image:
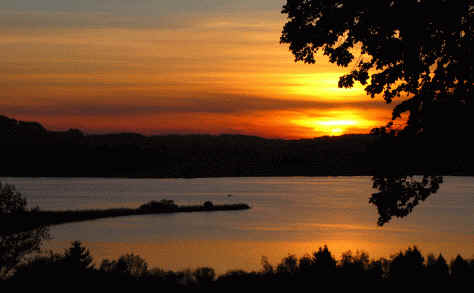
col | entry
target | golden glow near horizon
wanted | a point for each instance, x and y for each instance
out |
(323, 85)
(337, 123)
(178, 72)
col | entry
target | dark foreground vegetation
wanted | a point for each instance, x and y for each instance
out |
(35, 151)
(405, 270)
(32, 219)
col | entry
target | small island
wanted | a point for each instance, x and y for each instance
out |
(35, 218)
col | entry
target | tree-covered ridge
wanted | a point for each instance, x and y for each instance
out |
(34, 151)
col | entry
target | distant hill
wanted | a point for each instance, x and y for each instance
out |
(28, 149)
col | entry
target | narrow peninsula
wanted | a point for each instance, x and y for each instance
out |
(36, 218)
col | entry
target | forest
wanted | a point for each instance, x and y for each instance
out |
(31, 150)
(405, 269)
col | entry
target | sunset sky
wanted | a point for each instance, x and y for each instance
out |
(178, 66)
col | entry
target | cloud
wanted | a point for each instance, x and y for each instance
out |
(134, 15)
(176, 66)
(23, 20)
(233, 114)
(142, 7)
(225, 104)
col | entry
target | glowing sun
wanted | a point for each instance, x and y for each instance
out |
(334, 125)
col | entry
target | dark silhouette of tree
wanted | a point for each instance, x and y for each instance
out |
(267, 268)
(323, 262)
(78, 257)
(11, 201)
(288, 265)
(408, 266)
(437, 268)
(41, 264)
(204, 276)
(306, 263)
(354, 268)
(14, 247)
(164, 204)
(405, 270)
(15, 243)
(398, 195)
(130, 265)
(418, 49)
(356, 262)
(461, 270)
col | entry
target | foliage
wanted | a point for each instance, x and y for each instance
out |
(267, 268)
(437, 267)
(408, 265)
(399, 195)
(11, 201)
(359, 260)
(164, 204)
(78, 257)
(204, 276)
(123, 155)
(461, 269)
(15, 246)
(421, 48)
(323, 261)
(289, 265)
(208, 205)
(41, 267)
(129, 264)
(321, 268)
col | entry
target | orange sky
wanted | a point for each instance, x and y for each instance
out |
(175, 71)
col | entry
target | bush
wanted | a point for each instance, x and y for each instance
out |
(204, 276)
(164, 204)
(11, 201)
(208, 205)
(129, 265)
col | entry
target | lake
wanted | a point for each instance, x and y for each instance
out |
(289, 215)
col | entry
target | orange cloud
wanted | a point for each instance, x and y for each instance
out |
(212, 74)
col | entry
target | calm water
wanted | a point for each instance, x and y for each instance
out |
(289, 215)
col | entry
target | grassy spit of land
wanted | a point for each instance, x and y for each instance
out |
(37, 218)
